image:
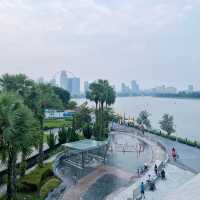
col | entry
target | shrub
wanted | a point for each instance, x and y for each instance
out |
(33, 180)
(73, 136)
(62, 135)
(48, 187)
(51, 140)
(87, 131)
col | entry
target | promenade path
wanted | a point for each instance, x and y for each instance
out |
(175, 177)
(189, 157)
(83, 185)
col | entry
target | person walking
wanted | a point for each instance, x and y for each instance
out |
(156, 169)
(142, 191)
(174, 154)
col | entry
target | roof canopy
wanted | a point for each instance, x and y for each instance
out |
(86, 145)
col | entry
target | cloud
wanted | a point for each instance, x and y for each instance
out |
(92, 35)
(90, 16)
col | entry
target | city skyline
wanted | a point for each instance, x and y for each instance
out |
(80, 87)
(154, 42)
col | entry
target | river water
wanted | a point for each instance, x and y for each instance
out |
(186, 112)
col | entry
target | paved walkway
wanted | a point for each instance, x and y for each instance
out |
(189, 157)
(76, 191)
(175, 177)
(188, 191)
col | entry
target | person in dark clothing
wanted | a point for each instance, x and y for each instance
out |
(163, 176)
(156, 169)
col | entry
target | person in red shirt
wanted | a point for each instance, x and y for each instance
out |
(174, 153)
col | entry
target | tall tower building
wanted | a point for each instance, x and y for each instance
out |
(73, 86)
(135, 87)
(190, 88)
(63, 80)
(86, 86)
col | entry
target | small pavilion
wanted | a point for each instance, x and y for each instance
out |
(81, 153)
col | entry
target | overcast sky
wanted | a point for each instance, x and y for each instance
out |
(152, 41)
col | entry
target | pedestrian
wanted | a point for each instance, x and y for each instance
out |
(145, 167)
(138, 172)
(156, 169)
(142, 191)
(163, 176)
(174, 154)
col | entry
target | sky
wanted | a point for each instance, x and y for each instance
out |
(152, 41)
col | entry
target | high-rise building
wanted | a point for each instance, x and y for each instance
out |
(190, 88)
(86, 86)
(125, 90)
(74, 86)
(71, 84)
(63, 80)
(135, 87)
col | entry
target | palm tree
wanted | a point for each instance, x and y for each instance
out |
(110, 96)
(101, 93)
(18, 130)
(41, 98)
(37, 97)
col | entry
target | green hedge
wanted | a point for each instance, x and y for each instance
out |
(170, 137)
(34, 180)
(48, 187)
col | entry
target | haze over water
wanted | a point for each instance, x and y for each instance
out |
(186, 112)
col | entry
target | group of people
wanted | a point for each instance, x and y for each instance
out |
(162, 174)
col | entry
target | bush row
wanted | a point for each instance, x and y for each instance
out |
(170, 137)
(40, 181)
(33, 181)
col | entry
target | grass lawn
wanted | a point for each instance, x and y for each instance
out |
(57, 123)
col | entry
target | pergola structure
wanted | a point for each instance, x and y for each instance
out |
(80, 153)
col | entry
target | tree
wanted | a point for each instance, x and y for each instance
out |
(18, 83)
(64, 95)
(103, 95)
(143, 119)
(82, 116)
(167, 124)
(72, 105)
(110, 96)
(41, 97)
(19, 132)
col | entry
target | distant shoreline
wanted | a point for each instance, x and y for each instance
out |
(158, 96)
